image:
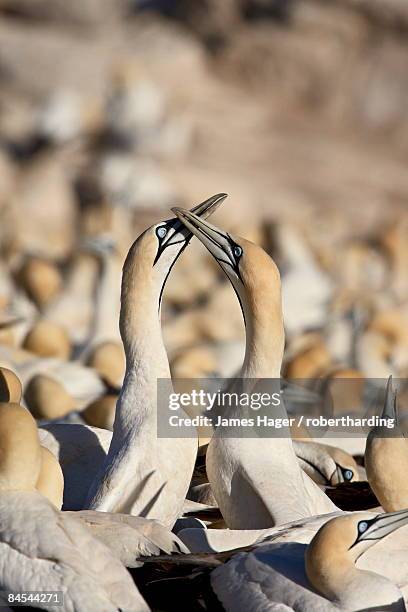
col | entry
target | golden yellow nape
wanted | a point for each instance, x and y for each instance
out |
(20, 452)
(50, 481)
(10, 386)
(330, 561)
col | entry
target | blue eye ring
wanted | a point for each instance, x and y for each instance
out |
(237, 250)
(161, 231)
(362, 526)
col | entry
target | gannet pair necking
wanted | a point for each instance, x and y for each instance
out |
(137, 465)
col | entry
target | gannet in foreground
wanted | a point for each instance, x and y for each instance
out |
(254, 494)
(332, 573)
(42, 549)
(386, 458)
(143, 475)
(78, 449)
(128, 537)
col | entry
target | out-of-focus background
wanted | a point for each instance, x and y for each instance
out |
(112, 111)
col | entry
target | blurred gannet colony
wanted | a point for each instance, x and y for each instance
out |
(111, 115)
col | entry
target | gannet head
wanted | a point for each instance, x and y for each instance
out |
(239, 258)
(341, 541)
(153, 254)
(386, 458)
(346, 468)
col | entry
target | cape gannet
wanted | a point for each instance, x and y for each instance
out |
(42, 549)
(326, 465)
(142, 474)
(254, 494)
(386, 458)
(336, 571)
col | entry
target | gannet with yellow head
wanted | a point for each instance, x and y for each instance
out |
(349, 564)
(386, 458)
(326, 465)
(49, 480)
(42, 549)
(332, 554)
(257, 481)
(144, 475)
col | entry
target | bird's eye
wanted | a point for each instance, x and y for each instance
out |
(237, 251)
(362, 526)
(348, 475)
(161, 231)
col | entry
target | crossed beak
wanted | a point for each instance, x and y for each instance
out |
(215, 240)
(203, 210)
(178, 233)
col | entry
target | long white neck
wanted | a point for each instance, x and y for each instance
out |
(146, 357)
(136, 409)
(265, 337)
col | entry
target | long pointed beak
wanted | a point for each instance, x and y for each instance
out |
(384, 524)
(208, 207)
(390, 404)
(214, 239)
(205, 209)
